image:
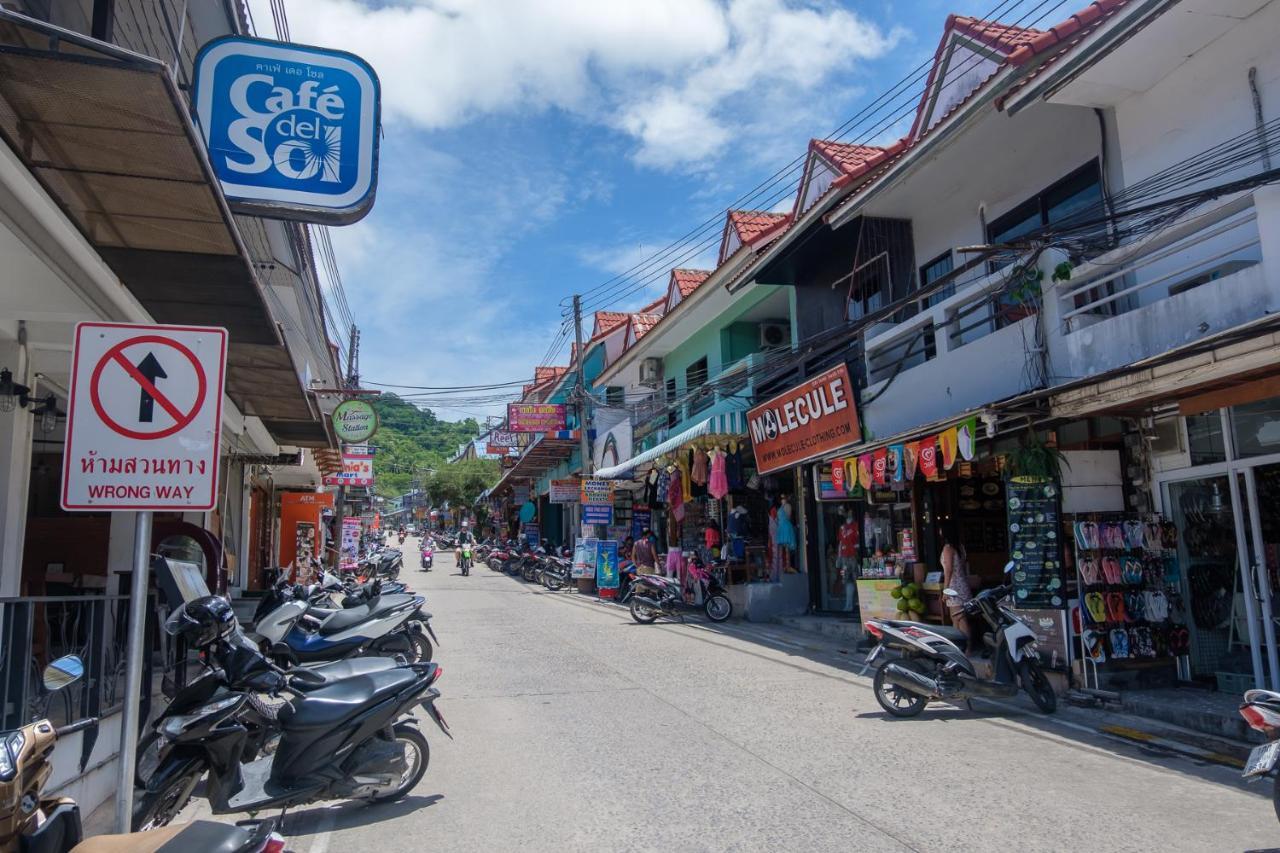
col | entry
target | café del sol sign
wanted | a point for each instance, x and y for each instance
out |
(354, 421)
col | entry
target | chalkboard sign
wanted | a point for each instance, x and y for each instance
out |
(1032, 505)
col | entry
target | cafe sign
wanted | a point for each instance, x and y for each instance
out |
(806, 422)
(354, 421)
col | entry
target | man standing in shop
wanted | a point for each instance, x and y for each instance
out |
(645, 554)
(847, 556)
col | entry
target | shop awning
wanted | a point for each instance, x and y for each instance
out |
(540, 457)
(730, 423)
(108, 135)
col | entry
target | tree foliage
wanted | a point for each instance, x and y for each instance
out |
(411, 442)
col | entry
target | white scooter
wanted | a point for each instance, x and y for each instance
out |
(931, 665)
(299, 632)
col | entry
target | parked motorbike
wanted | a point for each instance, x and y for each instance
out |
(931, 665)
(1261, 710)
(425, 555)
(298, 631)
(32, 822)
(353, 739)
(653, 596)
(555, 570)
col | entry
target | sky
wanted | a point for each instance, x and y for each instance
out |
(533, 149)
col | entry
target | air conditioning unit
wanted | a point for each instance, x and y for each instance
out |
(651, 372)
(774, 335)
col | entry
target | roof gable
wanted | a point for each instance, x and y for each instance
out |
(746, 227)
(639, 325)
(683, 282)
(969, 54)
(606, 321)
(833, 163)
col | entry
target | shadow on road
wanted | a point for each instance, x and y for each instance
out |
(351, 815)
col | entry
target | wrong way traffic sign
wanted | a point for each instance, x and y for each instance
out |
(144, 417)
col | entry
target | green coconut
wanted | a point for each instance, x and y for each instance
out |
(902, 605)
(896, 592)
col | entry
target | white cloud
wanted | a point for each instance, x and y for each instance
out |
(682, 78)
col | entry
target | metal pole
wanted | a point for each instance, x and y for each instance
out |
(129, 722)
(584, 446)
(339, 513)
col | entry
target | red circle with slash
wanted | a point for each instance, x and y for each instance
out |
(115, 355)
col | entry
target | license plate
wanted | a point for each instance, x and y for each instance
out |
(1262, 759)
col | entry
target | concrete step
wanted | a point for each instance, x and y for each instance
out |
(840, 628)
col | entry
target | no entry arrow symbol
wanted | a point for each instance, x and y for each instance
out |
(151, 369)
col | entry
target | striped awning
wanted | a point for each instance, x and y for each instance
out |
(729, 424)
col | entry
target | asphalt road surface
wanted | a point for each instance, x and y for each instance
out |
(577, 729)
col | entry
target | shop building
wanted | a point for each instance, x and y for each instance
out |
(109, 212)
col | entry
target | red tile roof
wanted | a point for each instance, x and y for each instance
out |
(609, 320)
(1002, 37)
(689, 280)
(1088, 17)
(654, 307)
(545, 374)
(642, 323)
(845, 156)
(1059, 40)
(750, 224)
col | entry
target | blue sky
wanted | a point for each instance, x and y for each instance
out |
(534, 148)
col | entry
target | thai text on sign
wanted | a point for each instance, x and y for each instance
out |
(535, 417)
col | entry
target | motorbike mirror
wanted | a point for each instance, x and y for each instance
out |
(949, 591)
(1008, 567)
(63, 672)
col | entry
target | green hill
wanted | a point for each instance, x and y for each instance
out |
(411, 440)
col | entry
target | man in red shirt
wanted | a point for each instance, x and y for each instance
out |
(847, 555)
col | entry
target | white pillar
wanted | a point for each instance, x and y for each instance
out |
(15, 475)
(1267, 205)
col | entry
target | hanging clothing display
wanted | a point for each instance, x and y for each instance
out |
(733, 468)
(651, 488)
(699, 469)
(786, 535)
(719, 485)
(676, 493)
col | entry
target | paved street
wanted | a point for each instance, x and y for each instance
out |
(577, 729)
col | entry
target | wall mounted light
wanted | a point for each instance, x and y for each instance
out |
(14, 394)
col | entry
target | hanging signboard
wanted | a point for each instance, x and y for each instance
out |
(597, 514)
(535, 417)
(497, 450)
(356, 471)
(564, 491)
(354, 421)
(291, 130)
(598, 492)
(144, 415)
(808, 421)
(350, 542)
(503, 439)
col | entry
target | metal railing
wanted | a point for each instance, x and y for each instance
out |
(39, 629)
(1115, 280)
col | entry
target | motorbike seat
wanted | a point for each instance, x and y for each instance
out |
(953, 634)
(341, 670)
(340, 620)
(330, 706)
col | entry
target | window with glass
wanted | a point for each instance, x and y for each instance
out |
(934, 270)
(1255, 428)
(613, 395)
(1204, 438)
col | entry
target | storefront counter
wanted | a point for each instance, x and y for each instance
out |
(764, 602)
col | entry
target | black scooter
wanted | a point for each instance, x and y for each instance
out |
(355, 738)
(931, 666)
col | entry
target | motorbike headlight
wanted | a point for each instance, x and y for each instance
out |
(173, 727)
(8, 751)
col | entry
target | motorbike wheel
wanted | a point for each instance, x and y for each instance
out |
(152, 811)
(552, 582)
(898, 701)
(422, 649)
(642, 613)
(718, 608)
(1037, 685)
(418, 755)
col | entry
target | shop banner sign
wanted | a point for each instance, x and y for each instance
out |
(564, 491)
(291, 130)
(532, 534)
(808, 421)
(497, 450)
(584, 559)
(144, 415)
(503, 439)
(1033, 511)
(597, 514)
(597, 492)
(640, 519)
(350, 542)
(607, 564)
(535, 417)
(356, 470)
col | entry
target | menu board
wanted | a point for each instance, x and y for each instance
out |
(1033, 508)
(876, 601)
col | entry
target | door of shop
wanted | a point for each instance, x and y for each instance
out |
(1227, 512)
